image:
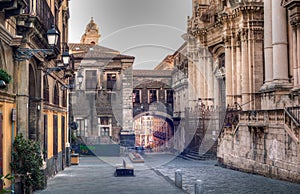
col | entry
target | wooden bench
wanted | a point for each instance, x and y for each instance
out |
(124, 170)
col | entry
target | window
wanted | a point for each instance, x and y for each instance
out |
(104, 131)
(63, 138)
(104, 126)
(169, 96)
(111, 81)
(56, 95)
(104, 120)
(64, 98)
(81, 129)
(45, 89)
(55, 135)
(45, 136)
(91, 79)
(136, 96)
(152, 96)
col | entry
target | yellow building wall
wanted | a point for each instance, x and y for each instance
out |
(6, 108)
(50, 115)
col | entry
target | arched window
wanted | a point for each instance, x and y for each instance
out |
(45, 89)
(221, 60)
(56, 95)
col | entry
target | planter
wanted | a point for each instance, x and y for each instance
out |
(74, 159)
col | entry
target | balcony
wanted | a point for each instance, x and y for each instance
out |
(12, 7)
(42, 12)
(39, 17)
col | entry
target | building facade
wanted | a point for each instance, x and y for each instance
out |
(32, 103)
(153, 109)
(248, 54)
(102, 102)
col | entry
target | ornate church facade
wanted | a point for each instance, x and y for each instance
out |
(244, 59)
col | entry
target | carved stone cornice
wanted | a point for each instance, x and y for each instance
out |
(294, 11)
(12, 7)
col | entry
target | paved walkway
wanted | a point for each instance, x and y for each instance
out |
(94, 175)
(156, 175)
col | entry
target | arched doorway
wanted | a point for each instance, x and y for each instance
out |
(33, 105)
(154, 131)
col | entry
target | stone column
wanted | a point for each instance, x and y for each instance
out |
(238, 71)
(295, 40)
(22, 98)
(228, 66)
(279, 36)
(245, 72)
(298, 55)
(268, 47)
(210, 77)
(233, 69)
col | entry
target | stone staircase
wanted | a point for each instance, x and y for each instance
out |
(193, 155)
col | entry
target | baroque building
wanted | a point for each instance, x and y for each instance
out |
(101, 103)
(245, 60)
(32, 103)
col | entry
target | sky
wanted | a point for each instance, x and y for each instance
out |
(149, 30)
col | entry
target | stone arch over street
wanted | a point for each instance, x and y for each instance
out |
(154, 130)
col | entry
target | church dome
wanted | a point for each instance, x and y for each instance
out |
(91, 35)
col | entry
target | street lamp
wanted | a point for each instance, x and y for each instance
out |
(52, 36)
(66, 58)
(60, 65)
(71, 86)
(80, 78)
(23, 54)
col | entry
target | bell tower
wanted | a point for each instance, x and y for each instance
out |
(91, 35)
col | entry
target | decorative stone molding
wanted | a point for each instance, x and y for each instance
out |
(294, 11)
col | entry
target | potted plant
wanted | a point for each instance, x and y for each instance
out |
(5, 76)
(2, 179)
(27, 162)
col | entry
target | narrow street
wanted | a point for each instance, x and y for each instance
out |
(156, 175)
(96, 175)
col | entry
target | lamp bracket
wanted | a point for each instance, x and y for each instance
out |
(50, 70)
(23, 54)
(67, 86)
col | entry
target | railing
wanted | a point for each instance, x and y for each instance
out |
(294, 112)
(231, 119)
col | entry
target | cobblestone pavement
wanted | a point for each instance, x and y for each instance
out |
(220, 180)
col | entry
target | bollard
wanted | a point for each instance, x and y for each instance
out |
(199, 187)
(178, 178)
